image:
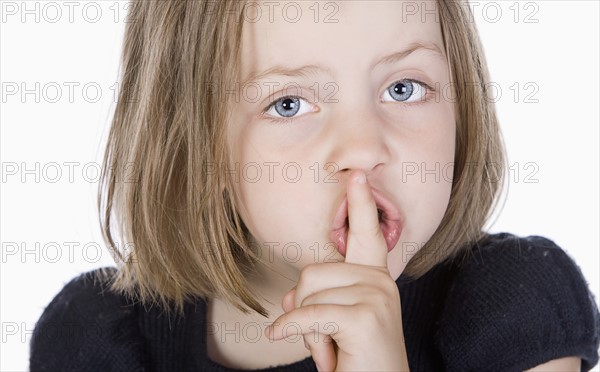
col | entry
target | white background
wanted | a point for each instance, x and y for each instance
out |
(558, 134)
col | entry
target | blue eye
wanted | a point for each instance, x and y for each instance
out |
(406, 91)
(289, 108)
(286, 107)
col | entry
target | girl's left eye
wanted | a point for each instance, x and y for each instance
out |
(406, 90)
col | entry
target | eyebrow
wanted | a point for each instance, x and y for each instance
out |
(395, 57)
(314, 69)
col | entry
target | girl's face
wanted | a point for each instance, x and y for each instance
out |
(359, 76)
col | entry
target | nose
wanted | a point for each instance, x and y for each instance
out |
(359, 142)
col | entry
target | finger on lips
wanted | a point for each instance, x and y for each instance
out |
(366, 243)
(309, 306)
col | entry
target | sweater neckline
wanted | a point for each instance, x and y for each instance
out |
(201, 316)
(199, 351)
(183, 339)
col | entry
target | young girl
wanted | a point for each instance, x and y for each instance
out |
(303, 185)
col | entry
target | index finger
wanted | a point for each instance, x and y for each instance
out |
(366, 243)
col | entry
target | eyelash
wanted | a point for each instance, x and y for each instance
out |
(275, 119)
(281, 120)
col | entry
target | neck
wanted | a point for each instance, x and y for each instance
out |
(271, 281)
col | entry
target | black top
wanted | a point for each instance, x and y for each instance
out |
(513, 304)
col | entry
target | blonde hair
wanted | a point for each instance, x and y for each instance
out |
(182, 236)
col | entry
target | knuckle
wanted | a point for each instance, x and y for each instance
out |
(308, 272)
(386, 294)
(371, 318)
(312, 311)
(380, 297)
(382, 277)
(389, 286)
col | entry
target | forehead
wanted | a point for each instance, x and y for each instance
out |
(333, 34)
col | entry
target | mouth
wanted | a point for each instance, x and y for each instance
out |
(389, 221)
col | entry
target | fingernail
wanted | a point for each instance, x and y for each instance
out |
(361, 178)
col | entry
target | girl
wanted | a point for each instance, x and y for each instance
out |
(303, 185)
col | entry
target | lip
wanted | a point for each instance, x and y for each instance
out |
(391, 224)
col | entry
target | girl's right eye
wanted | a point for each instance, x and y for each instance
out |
(286, 107)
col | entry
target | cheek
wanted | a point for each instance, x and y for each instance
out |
(279, 199)
(437, 180)
(425, 176)
(438, 169)
(280, 206)
(286, 228)
(434, 206)
(425, 179)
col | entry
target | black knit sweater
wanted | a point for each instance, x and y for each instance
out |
(513, 304)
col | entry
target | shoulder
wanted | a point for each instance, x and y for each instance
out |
(86, 327)
(517, 302)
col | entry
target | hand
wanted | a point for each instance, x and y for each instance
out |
(349, 313)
